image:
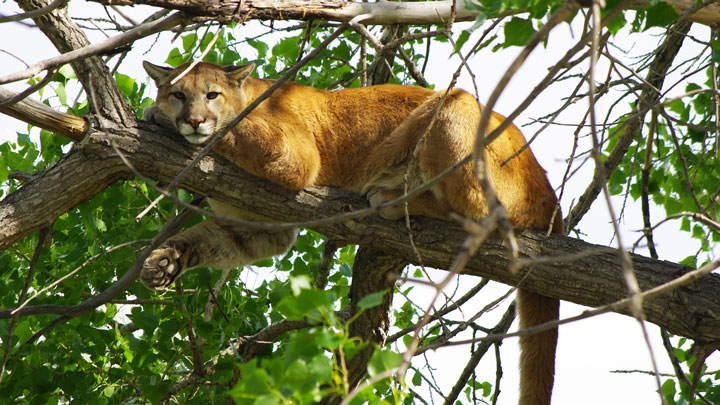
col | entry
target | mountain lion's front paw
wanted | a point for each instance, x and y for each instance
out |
(161, 268)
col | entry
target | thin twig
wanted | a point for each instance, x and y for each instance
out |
(33, 13)
(325, 264)
(30, 90)
(616, 306)
(442, 312)
(462, 380)
(72, 273)
(212, 299)
(96, 48)
(626, 262)
(645, 185)
(42, 236)
(200, 58)
(477, 233)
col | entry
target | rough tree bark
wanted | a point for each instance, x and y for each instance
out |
(371, 273)
(593, 279)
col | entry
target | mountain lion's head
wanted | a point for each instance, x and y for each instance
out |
(200, 102)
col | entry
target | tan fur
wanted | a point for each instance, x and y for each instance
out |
(361, 140)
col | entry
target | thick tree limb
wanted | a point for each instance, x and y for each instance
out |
(37, 113)
(416, 13)
(593, 279)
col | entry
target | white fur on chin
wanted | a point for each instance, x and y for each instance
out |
(197, 136)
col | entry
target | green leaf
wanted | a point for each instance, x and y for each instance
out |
(321, 367)
(299, 283)
(698, 232)
(518, 31)
(619, 21)
(4, 172)
(24, 139)
(474, 5)
(189, 42)
(67, 72)
(677, 106)
(372, 300)
(309, 303)
(329, 339)
(147, 320)
(175, 58)
(269, 262)
(260, 46)
(417, 379)
(464, 36)
(690, 261)
(660, 14)
(125, 83)
(486, 388)
(382, 360)
(668, 389)
(287, 48)
(62, 95)
(346, 270)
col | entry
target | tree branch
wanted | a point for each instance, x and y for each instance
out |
(34, 13)
(649, 98)
(383, 13)
(103, 94)
(38, 114)
(96, 48)
(590, 279)
(501, 327)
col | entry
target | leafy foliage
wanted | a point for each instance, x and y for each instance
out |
(678, 391)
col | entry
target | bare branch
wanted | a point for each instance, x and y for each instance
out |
(664, 56)
(501, 328)
(39, 114)
(35, 13)
(96, 49)
(383, 13)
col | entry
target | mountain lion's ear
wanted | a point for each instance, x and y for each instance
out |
(159, 74)
(239, 73)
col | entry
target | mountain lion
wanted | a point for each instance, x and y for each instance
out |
(362, 140)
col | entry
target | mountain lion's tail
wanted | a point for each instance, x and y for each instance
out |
(537, 358)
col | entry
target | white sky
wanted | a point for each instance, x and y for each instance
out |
(588, 350)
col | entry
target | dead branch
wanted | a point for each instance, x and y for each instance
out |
(34, 13)
(39, 114)
(383, 13)
(95, 49)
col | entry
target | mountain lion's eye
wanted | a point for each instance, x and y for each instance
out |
(178, 95)
(212, 95)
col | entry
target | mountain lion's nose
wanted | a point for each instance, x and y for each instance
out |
(194, 122)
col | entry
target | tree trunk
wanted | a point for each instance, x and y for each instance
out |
(371, 273)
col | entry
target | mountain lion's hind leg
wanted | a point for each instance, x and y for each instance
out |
(211, 244)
